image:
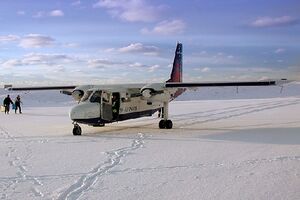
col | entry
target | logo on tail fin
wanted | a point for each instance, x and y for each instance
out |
(176, 75)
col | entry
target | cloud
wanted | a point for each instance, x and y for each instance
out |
(212, 58)
(70, 45)
(279, 51)
(167, 27)
(53, 13)
(39, 14)
(205, 69)
(11, 63)
(21, 12)
(76, 3)
(137, 65)
(144, 67)
(131, 10)
(36, 41)
(139, 48)
(56, 13)
(102, 63)
(9, 38)
(39, 60)
(153, 68)
(263, 22)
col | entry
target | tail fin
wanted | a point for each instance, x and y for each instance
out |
(176, 75)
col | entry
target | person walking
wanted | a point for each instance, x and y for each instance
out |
(6, 103)
(18, 104)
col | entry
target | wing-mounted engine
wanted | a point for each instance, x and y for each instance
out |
(79, 92)
(156, 92)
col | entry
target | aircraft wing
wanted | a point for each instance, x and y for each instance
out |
(220, 84)
(67, 90)
(42, 88)
(157, 91)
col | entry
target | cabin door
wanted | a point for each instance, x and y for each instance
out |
(106, 106)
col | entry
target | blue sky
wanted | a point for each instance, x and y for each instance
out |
(126, 41)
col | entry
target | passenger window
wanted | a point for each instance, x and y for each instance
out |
(96, 97)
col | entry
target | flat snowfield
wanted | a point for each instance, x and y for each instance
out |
(218, 149)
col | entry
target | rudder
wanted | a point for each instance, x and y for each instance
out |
(176, 74)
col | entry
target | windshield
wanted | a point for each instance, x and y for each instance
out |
(96, 97)
(86, 96)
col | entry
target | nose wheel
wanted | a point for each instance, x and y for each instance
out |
(76, 130)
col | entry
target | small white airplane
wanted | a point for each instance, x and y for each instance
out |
(102, 104)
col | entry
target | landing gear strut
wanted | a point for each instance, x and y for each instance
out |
(76, 129)
(165, 123)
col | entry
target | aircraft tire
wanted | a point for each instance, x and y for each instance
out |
(76, 130)
(169, 124)
(162, 124)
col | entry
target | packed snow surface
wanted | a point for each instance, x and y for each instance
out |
(241, 148)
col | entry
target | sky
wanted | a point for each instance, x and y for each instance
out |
(132, 41)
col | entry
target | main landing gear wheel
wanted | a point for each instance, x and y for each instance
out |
(165, 124)
(76, 130)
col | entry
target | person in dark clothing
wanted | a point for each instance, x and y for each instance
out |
(6, 103)
(18, 104)
(115, 107)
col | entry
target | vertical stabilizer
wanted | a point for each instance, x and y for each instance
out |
(176, 75)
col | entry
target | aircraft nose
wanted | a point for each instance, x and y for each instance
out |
(85, 111)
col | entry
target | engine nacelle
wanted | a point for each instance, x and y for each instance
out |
(147, 93)
(156, 92)
(77, 94)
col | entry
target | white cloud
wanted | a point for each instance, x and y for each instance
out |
(279, 50)
(207, 58)
(131, 10)
(53, 13)
(76, 3)
(101, 63)
(39, 14)
(153, 68)
(36, 41)
(139, 48)
(70, 45)
(9, 38)
(264, 78)
(56, 13)
(205, 69)
(39, 60)
(137, 64)
(166, 28)
(263, 22)
(11, 63)
(21, 12)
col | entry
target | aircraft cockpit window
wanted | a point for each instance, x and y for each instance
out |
(96, 97)
(86, 95)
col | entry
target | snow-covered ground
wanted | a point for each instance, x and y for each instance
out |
(218, 149)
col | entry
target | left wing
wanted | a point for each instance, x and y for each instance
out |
(219, 84)
(168, 90)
